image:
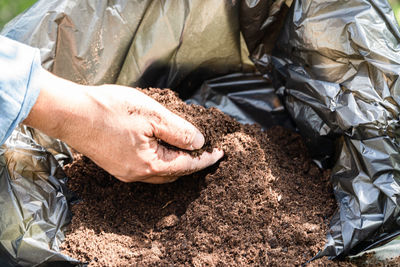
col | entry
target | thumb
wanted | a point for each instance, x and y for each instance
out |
(178, 132)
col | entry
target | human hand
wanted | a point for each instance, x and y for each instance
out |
(118, 128)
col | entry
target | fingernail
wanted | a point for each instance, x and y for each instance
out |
(219, 153)
(198, 141)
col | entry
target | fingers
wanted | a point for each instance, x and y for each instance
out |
(178, 163)
(173, 164)
(160, 179)
(178, 132)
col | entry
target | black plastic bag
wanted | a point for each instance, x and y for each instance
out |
(335, 65)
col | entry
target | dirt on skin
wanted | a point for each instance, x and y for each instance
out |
(264, 203)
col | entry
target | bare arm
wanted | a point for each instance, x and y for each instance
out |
(117, 127)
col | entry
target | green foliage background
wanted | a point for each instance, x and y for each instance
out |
(10, 8)
(396, 8)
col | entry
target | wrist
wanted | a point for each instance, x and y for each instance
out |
(58, 106)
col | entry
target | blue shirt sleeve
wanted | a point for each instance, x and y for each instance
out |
(20, 71)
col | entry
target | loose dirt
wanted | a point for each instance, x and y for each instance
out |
(264, 203)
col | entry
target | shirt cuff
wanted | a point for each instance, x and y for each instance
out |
(19, 83)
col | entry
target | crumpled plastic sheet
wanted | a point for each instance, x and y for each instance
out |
(176, 44)
(33, 201)
(335, 64)
(60, 151)
(247, 97)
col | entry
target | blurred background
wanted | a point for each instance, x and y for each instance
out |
(10, 8)
(396, 8)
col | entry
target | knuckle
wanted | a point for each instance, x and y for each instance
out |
(188, 137)
(145, 171)
(153, 167)
(156, 117)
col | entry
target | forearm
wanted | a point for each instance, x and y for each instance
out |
(59, 108)
(119, 128)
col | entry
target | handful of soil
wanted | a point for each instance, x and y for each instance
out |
(264, 203)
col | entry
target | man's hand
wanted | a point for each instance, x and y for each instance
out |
(118, 127)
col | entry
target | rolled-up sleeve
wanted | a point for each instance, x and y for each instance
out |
(20, 71)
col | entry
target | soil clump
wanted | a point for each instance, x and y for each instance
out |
(265, 203)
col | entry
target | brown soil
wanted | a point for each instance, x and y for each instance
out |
(265, 203)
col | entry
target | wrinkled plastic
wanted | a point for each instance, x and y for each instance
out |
(384, 251)
(33, 201)
(249, 98)
(334, 63)
(57, 148)
(177, 44)
(337, 64)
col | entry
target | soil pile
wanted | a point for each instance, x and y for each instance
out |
(264, 203)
